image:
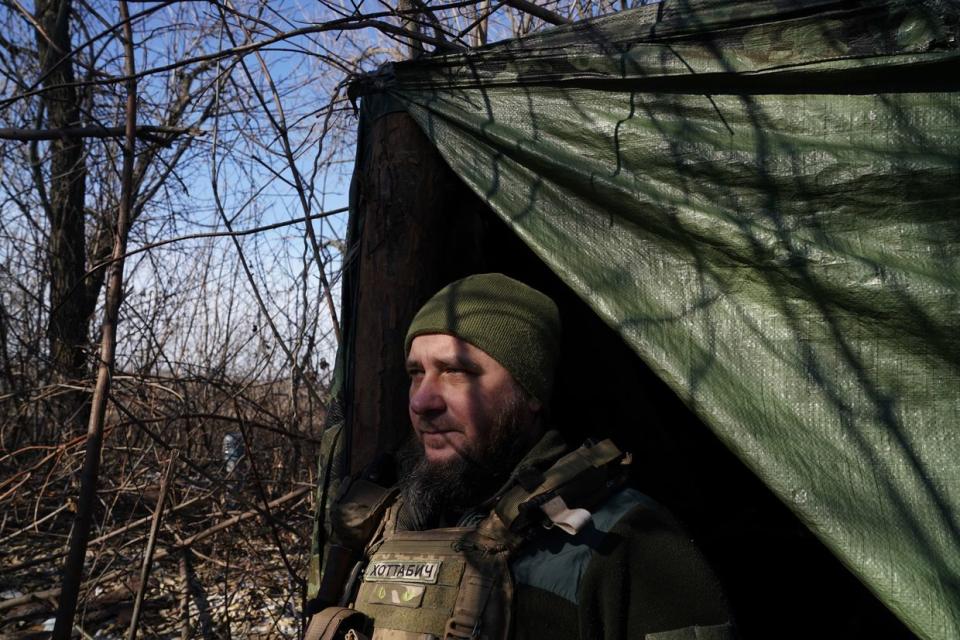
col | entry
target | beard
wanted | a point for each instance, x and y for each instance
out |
(433, 492)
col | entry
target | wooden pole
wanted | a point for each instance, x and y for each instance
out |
(420, 230)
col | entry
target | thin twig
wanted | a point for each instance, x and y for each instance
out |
(280, 126)
(41, 596)
(35, 523)
(258, 482)
(148, 132)
(213, 234)
(151, 546)
(218, 202)
(104, 538)
(352, 23)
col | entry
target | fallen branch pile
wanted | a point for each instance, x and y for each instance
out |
(229, 550)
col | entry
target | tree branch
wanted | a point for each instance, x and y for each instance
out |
(544, 14)
(146, 132)
(164, 553)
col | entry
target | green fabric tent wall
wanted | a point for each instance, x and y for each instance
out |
(763, 198)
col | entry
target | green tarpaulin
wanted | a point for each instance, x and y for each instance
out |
(763, 199)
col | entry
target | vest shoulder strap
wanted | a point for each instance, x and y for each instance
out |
(331, 622)
(355, 518)
(358, 510)
(564, 493)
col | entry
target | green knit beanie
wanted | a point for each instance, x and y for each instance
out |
(516, 325)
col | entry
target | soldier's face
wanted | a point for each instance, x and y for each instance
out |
(462, 401)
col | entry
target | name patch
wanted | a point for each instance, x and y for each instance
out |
(398, 571)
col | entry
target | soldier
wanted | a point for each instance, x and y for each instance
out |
(497, 529)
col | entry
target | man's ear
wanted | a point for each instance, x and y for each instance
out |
(534, 405)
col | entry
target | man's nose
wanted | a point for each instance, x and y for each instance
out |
(426, 398)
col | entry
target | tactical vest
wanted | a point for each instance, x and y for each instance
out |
(455, 583)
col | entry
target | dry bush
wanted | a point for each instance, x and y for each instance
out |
(246, 577)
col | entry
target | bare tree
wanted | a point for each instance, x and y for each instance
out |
(211, 198)
(61, 190)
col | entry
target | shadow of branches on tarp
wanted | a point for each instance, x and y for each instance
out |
(760, 198)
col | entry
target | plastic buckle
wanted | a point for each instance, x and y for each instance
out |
(457, 628)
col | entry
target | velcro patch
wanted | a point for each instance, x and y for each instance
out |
(406, 571)
(402, 595)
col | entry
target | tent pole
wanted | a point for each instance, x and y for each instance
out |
(406, 205)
